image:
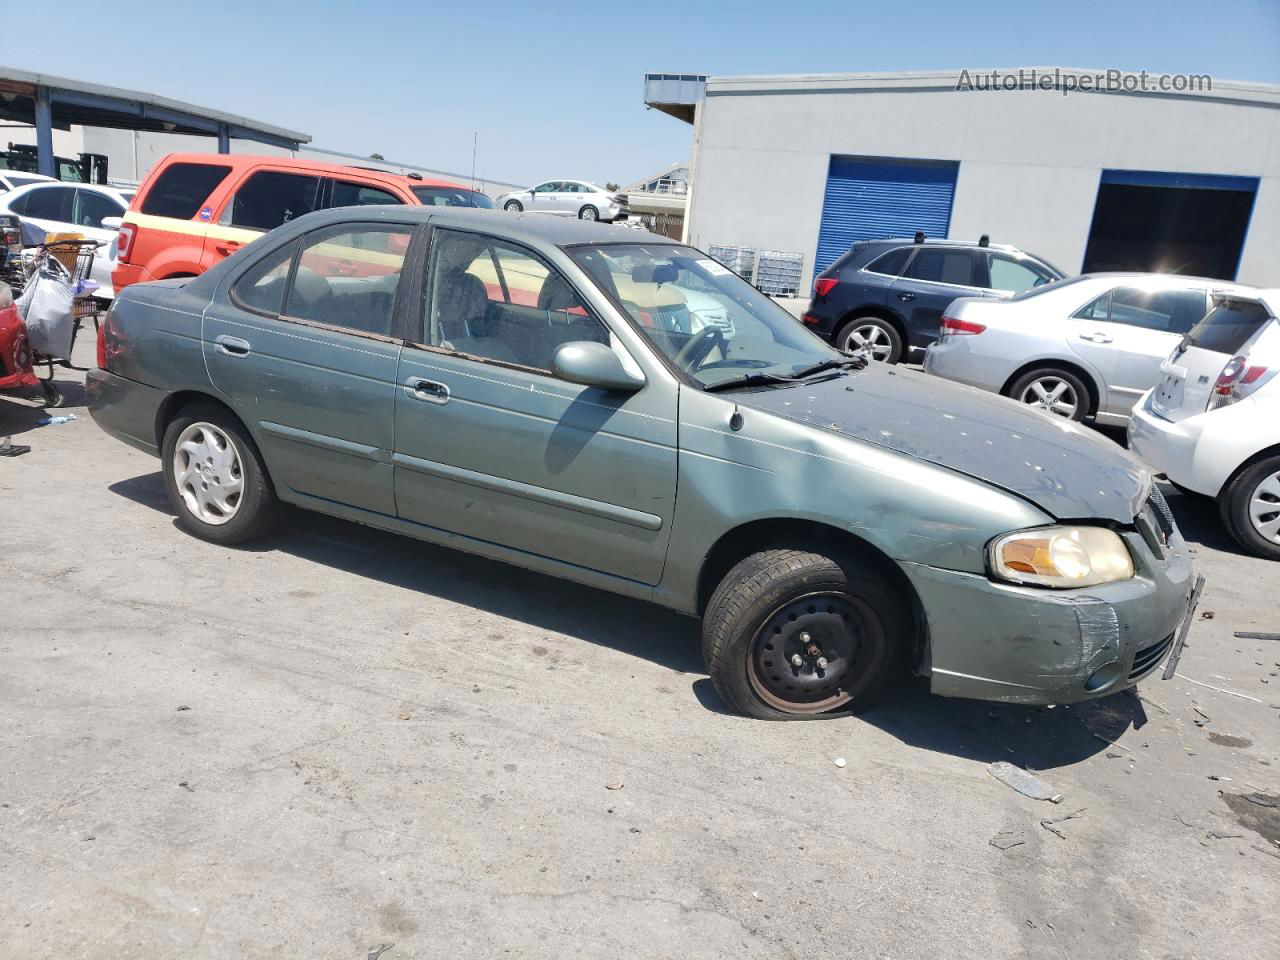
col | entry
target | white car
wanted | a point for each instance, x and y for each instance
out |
(84, 208)
(1211, 424)
(568, 198)
(13, 179)
(1088, 346)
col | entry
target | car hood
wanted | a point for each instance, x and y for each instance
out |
(1066, 470)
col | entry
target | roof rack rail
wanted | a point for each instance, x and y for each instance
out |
(919, 236)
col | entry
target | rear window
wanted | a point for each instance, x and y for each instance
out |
(182, 189)
(451, 197)
(1228, 326)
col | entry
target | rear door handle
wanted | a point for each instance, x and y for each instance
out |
(906, 297)
(232, 346)
(1095, 337)
(428, 391)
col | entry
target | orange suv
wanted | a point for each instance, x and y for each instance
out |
(195, 209)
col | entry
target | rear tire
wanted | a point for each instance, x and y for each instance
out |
(844, 620)
(875, 337)
(194, 490)
(1055, 391)
(1250, 508)
(513, 206)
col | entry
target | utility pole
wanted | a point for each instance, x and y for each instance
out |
(475, 140)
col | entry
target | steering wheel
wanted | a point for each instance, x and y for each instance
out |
(697, 349)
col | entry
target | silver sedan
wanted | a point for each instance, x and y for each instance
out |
(1085, 347)
(568, 198)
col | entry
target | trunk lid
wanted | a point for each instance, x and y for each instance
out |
(1069, 471)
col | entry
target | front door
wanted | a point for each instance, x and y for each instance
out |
(545, 198)
(935, 277)
(302, 348)
(491, 445)
(1125, 335)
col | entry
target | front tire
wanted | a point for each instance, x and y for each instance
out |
(589, 213)
(1250, 507)
(874, 337)
(1055, 391)
(790, 634)
(214, 476)
(513, 206)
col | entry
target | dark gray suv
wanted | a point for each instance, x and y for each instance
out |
(885, 297)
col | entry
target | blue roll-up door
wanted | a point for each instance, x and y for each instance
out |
(870, 199)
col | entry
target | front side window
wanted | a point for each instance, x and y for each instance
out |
(547, 188)
(943, 266)
(493, 299)
(708, 322)
(347, 194)
(269, 198)
(182, 189)
(1016, 276)
(50, 203)
(348, 276)
(92, 207)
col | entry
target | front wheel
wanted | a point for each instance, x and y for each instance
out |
(513, 206)
(1059, 392)
(214, 476)
(1251, 508)
(588, 213)
(872, 337)
(790, 634)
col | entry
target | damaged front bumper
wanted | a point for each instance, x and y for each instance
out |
(998, 641)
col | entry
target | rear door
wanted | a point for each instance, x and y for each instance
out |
(350, 193)
(302, 345)
(935, 276)
(260, 202)
(1187, 377)
(1127, 333)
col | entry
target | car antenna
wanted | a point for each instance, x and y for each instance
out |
(735, 419)
(919, 236)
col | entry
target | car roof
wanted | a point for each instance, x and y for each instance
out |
(92, 187)
(242, 161)
(1165, 279)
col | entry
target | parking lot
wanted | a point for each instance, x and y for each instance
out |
(340, 740)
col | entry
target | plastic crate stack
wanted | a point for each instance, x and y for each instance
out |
(778, 273)
(741, 260)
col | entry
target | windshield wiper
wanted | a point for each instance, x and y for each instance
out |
(847, 363)
(750, 380)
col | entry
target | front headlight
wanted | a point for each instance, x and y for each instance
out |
(1061, 557)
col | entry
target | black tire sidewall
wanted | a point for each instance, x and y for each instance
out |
(757, 586)
(897, 348)
(1083, 406)
(1234, 506)
(584, 209)
(257, 507)
(513, 206)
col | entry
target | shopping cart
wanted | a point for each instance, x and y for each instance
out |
(71, 260)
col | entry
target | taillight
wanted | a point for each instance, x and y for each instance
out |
(1237, 380)
(957, 327)
(824, 285)
(102, 346)
(124, 241)
(811, 319)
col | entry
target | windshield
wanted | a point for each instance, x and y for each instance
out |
(707, 321)
(452, 197)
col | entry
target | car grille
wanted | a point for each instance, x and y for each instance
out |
(1148, 658)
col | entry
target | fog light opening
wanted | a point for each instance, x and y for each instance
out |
(1105, 676)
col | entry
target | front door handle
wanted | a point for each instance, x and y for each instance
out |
(906, 297)
(1095, 337)
(228, 247)
(232, 346)
(428, 391)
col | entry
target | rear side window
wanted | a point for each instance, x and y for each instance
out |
(359, 195)
(943, 266)
(182, 189)
(261, 287)
(347, 277)
(890, 263)
(1228, 326)
(270, 197)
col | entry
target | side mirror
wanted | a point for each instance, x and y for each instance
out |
(112, 223)
(593, 365)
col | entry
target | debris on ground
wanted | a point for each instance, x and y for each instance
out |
(10, 449)
(1262, 849)
(404, 716)
(1206, 614)
(183, 707)
(186, 785)
(1007, 839)
(379, 950)
(1114, 756)
(1048, 822)
(613, 786)
(756, 894)
(1112, 743)
(1246, 635)
(1214, 776)
(839, 761)
(49, 421)
(1202, 717)
(1025, 783)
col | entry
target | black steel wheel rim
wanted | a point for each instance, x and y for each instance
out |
(815, 653)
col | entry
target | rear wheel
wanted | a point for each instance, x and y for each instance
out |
(588, 213)
(214, 476)
(875, 338)
(1059, 392)
(1250, 507)
(513, 206)
(790, 634)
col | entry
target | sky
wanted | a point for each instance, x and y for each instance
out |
(554, 89)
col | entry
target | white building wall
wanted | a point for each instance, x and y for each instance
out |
(1030, 161)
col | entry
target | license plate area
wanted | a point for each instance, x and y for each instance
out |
(1169, 392)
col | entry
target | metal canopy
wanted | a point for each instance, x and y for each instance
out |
(46, 102)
